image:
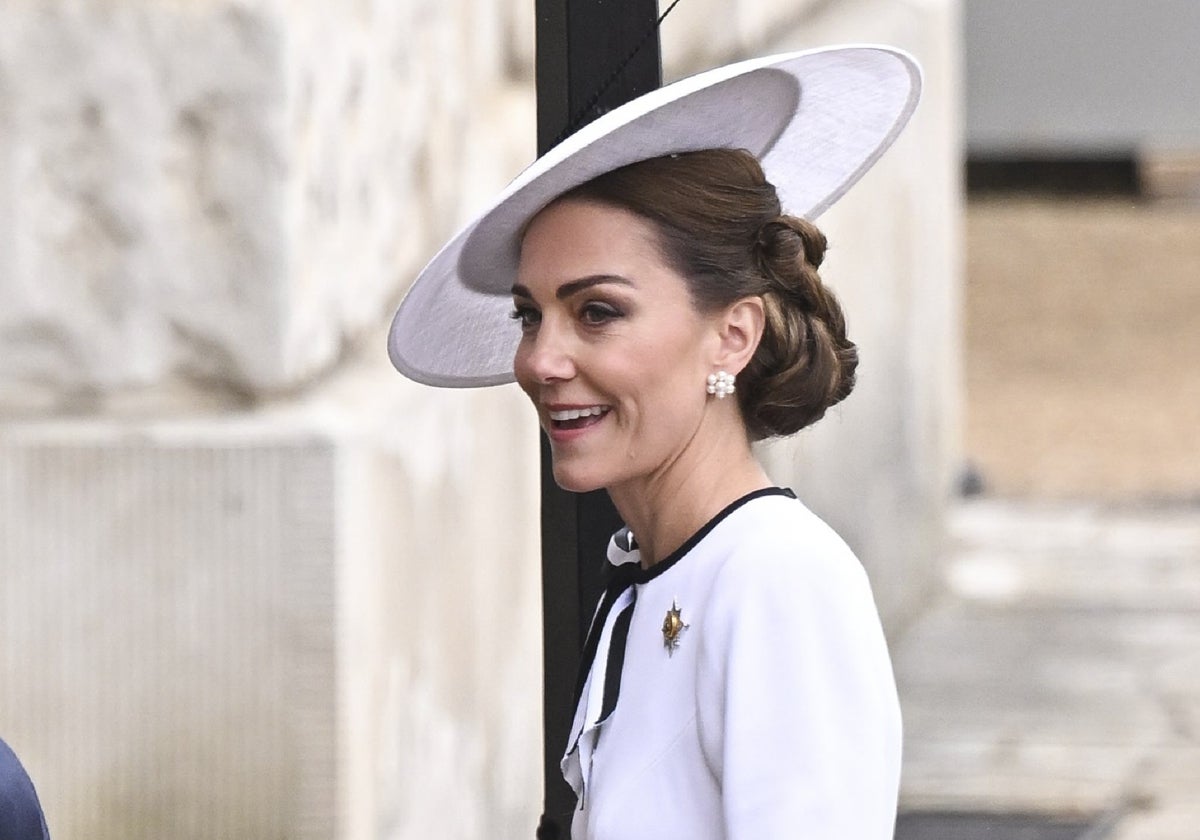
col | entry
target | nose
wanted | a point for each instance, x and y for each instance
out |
(544, 356)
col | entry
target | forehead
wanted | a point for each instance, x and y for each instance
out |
(576, 238)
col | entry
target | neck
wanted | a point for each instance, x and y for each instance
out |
(667, 507)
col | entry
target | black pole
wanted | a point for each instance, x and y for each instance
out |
(580, 45)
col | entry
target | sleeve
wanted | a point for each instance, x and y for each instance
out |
(798, 713)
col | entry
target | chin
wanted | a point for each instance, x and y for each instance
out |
(576, 480)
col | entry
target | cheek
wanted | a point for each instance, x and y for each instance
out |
(669, 383)
(677, 366)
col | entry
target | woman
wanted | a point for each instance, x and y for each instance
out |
(736, 680)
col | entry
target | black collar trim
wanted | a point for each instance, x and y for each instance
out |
(645, 575)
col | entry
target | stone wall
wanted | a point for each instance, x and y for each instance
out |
(213, 197)
(290, 623)
(254, 583)
(881, 466)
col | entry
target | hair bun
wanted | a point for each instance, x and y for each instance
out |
(790, 250)
(806, 363)
(791, 237)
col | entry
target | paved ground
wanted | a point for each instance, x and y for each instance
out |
(1060, 673)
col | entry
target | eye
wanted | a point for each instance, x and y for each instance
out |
(595, 313)
(525, 315)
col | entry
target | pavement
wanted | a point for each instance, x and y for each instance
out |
(1059, 672)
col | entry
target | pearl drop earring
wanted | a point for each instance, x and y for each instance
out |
(721, 384)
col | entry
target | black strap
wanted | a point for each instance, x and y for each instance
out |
(620, 578)
(616, 659)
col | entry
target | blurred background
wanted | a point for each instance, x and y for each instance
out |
(254, 584)
(1051, 690)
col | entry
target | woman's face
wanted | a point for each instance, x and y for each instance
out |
(612, 353)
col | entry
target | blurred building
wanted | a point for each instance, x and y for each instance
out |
(1087, 80)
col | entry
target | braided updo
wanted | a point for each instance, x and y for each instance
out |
(721, 227)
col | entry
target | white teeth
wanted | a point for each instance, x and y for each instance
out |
(576, 413)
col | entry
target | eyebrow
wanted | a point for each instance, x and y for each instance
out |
(574, 287)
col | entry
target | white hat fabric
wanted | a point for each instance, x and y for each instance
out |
(817, 121)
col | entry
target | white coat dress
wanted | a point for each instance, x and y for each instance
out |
(766, 708)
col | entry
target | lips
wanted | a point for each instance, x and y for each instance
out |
(576, 417)
(576, 413)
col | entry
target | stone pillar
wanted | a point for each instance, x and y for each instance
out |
(169, 644)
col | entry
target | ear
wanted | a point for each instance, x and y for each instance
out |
(740, 328)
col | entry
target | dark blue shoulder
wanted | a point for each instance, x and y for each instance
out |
(21, 815)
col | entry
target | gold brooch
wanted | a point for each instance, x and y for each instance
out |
(673, 627)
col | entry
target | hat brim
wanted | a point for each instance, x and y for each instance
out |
(817, 120)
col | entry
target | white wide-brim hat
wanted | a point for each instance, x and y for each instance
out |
(816, 120)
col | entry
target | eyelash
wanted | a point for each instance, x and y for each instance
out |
(592, 314)
(525, 315)
(595, 313)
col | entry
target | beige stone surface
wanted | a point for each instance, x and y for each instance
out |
(303, 621)
(205, 201)
(1166, 805)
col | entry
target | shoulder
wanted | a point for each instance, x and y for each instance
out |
(782, 565)
(11, 771)
(20, 811)
(792, 627)
(777, 540)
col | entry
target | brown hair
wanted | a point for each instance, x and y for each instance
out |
(720, 225)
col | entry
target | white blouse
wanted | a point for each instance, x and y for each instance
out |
(740, 689)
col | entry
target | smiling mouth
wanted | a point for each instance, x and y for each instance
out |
(577, 418)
